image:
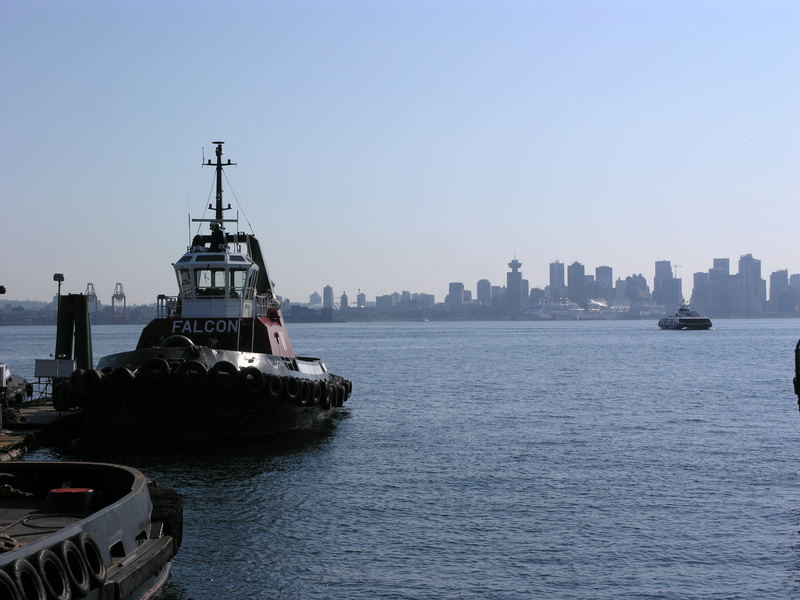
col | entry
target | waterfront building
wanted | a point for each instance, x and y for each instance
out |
(752, 288)
(636, 289)
(423, 301)
(383, 302)
(557, 287)
(455, 295)
(498, 294)
(526, 287)
(484, 292)
(327, 297)
(576, 284)
(604, 278)
(663, 273)
(514, 286)
(701, 293)
(782, 297)
(721, 301)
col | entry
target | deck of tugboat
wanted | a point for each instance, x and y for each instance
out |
(23, 523)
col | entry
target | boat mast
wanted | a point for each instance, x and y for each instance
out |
(218, 207)
(217, 223)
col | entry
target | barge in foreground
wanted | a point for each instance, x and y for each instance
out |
(217, 361)
(82, 530)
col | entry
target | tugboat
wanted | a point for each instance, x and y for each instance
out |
(685, 318)
(217, 360)
(84, 530)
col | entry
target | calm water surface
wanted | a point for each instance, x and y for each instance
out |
(503, 460)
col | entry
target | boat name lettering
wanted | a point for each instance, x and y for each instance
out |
(205, 326)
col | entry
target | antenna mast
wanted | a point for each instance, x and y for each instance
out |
(218, 205)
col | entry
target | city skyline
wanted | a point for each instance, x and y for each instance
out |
(332, 293)
(396, 145)
(663, 288)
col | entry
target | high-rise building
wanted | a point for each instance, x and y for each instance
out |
(782, 296)
(752, 288)
(576, 284)
(498, 294)
(701, 293)
(672, 294)
(663, 273)
(423, 301)
(637, 289)
(314, 298)
(343, 301)
(455, 295)
(526, 289)
(327, 297)
(361, 299)
(484, 292)
(514, 286)
(557, 287)
(604, 278)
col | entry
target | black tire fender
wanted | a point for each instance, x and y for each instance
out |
(8, 589)
(192, 373)
(93, 557)
(153, 371)
(28, 581)
(75, 564)
(274, 386)
(252, 380)
(222, 374)
(54, 575)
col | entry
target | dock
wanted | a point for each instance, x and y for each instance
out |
(30, 425)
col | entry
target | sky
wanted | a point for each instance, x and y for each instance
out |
(397, 145)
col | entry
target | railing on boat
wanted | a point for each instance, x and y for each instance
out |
(167, 306)
(170, 306)
(265, 303)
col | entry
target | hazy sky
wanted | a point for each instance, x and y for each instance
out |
(397, 145)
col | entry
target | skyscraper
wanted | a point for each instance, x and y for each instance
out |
(604, 278)
(663, 273)
(514, 285)
(455, 295)
(484, 292)
(327, 297)
(557, 288)
(752, 287)
(576, 283)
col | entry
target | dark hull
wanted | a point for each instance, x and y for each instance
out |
(685, 323)
(128, 553)
(179, 394)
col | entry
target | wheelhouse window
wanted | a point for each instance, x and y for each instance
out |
(238, 279)
(210, 282)
(185, 282)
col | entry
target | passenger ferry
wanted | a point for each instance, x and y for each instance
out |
(685, 318)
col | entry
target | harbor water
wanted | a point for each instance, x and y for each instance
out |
(502, 460)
